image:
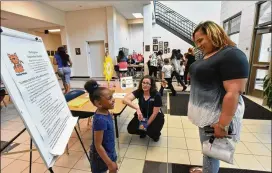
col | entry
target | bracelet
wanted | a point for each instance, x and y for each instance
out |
(224, 128)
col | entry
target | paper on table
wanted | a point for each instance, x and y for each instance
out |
(78, 102)
(119, 95)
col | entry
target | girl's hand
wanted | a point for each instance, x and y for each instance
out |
(113, 167)
(140, 115)
(219, 132)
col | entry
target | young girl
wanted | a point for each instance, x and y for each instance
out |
(102, 153)
(167, 70)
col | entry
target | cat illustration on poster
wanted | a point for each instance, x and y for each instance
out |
(17, 63)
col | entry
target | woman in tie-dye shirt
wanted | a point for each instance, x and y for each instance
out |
(217, 83)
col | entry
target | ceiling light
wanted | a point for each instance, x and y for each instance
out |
(54, 30)
(138, 15)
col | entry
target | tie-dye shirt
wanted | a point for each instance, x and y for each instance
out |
(207, 90)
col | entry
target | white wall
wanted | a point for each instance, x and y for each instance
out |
(136, 38)
(248, 9)
(122, 33)
(36, 10)
(51, 41)
(83, 26)
(174, 42)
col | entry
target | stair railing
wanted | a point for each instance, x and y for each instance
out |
(174, 20)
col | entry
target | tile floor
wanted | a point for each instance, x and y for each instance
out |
(179, 144)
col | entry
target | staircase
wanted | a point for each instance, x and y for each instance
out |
(174, 22)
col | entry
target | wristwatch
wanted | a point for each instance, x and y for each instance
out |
(225, 128)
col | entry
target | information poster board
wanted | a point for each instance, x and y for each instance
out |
(28, 75)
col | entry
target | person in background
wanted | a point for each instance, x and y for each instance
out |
(175, 65)
(167, 70)
(62, 59)
(190, 60)
(122, 63)
(148, 107)
(131, 70)
(102, 152)
(179, 59)
(181, 70)
(134, 55)
(130, 60)
(160, 63)
(153, 65)
(215, 96)
(179, 56)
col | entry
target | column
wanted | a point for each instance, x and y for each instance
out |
(111, 29)
(147, 10)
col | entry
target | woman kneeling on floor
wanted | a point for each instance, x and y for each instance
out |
(148, 118)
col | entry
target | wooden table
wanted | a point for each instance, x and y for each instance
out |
(88, 109)
(137, 66)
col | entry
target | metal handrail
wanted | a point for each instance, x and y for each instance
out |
(175, 21)
(177, 24)
(178, 20)
(169, 10)
(187, 31)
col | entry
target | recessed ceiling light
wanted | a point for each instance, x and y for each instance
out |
(54, 30)
(138, 15)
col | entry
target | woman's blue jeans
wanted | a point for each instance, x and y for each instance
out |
(210, 165)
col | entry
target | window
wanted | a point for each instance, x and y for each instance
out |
(235, 25)
(264, 13)
(232, 27)
(226, 26)
(261, 54)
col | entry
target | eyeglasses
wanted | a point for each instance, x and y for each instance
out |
(145, 83)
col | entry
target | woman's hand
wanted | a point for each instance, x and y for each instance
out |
(139, 113)
(113, 167)
(149, 122)
(219, 132)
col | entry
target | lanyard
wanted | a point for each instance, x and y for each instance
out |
(148, 101)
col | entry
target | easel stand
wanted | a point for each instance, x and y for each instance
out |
(30, 150)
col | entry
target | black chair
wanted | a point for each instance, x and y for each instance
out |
(70, 96)
(73, 94)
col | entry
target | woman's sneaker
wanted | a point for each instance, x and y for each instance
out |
(156, 139)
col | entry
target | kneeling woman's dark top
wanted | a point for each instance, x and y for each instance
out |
(147, 106)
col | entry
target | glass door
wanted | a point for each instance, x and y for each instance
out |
(260, 62)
